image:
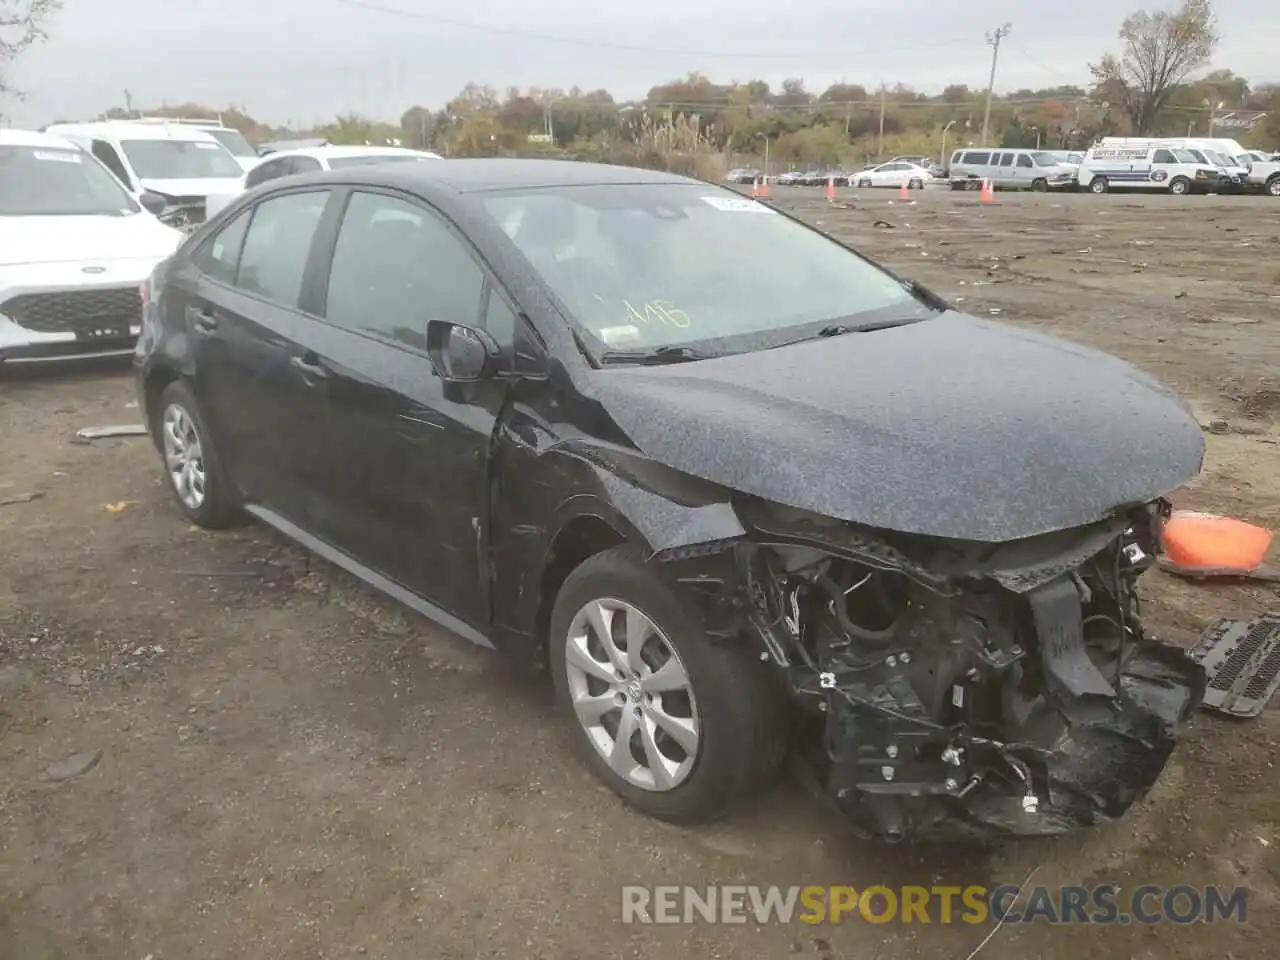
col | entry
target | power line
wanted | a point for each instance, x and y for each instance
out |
(636, 48)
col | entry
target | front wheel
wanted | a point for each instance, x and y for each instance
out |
(1273, 185)
(677, 725)
(864, 183)
(1180, 186)
(915, 185)
(1040, 185)
(1098, 185)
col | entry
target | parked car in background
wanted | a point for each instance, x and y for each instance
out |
(744, 175)
(284, 163)
(232, 139)
(791, 178)
(517, 396)
(181, 163)
(74, 247)
(275, 146)
(1037, 170)
(895, 173)
(1146, 167)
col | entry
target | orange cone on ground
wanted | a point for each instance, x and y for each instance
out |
(764, 187)
(904, 192)
(987, 195)
(755, 187)
(831, 188)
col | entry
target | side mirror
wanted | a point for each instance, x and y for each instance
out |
(461, 353)
(153, 203)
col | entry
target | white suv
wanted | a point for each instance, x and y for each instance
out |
(74, 248)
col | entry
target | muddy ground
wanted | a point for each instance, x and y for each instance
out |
(294, 767)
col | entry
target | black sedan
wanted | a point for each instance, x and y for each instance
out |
(732, 511)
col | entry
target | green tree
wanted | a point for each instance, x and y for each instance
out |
(1159, 52)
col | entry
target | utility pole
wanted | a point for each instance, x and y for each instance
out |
(880, 143)
(128, 103)
(993, 39)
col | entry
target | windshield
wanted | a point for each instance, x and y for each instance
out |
(1186, 156)
(1044, 159)
(641, 266)
(1217, 159)
(180, 160)
(364, 159)
(234, 141)
(49, 181)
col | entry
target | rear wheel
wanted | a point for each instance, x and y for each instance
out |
(915, 184)
(1098, 185)
(864, 182)
(677, 725)
(191, 463)
(1180, 186)
(1273, 185)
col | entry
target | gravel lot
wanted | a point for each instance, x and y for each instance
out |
(293, 767)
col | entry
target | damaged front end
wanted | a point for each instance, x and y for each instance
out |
(960, 690)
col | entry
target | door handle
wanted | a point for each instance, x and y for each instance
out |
(202, 320)
(309, 366)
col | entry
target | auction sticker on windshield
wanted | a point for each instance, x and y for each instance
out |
(58, 156)
(737, 205)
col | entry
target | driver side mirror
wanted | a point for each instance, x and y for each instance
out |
(461, 353)
(153, 203)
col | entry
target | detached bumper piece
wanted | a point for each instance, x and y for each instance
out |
(1242, 660)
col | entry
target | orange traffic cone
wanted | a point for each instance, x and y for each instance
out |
(831, 188)
(904, 192)
(764, 187)
(987, 195)
(755, 187)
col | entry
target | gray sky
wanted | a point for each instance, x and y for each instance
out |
(307, 60)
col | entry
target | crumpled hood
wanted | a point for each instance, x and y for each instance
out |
(139, 236)
(952, 427)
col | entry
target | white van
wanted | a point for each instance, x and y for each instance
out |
(1009, 170)
(229, 137)
(1146, 167)
(1234, 171)
(181, 163)
(74, 246)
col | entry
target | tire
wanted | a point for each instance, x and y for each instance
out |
(973, 184)
(915, 185)
(957, 185)
(180, 423)
(864, 184)
(1273, 185)
(737, 711)
(1179, 186)
(1039, 185)
(1098, 185)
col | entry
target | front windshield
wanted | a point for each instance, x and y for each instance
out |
(1186, 156)
(645, 265)
(52, 181)
(180, 160)
(1217, 159)
(1045, 159)
(364, 159)
(234, 141)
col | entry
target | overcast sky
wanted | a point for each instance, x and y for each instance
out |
(307, 60)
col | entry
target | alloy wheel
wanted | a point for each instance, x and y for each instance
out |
(184, 456)
(632, 694)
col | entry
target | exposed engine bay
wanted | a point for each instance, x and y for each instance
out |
(954, 690)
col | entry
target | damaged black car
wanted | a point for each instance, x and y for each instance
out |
(744, 492)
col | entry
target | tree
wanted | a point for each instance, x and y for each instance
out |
(1159, 51)
(22, 23)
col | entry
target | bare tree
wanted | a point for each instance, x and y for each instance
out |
(1160, 50)
(22, 24)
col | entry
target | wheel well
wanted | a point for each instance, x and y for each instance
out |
(580, 539)
(156, 383)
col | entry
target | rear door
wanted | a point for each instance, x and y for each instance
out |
(241, 312)
(404, 490)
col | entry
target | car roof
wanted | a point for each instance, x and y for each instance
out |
(123, 130)
(480, 175)
(335, 150)
(32, 138)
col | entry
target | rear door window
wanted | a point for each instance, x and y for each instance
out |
(278, 244)
(1006, 159)
(977, 159)
(220, 255)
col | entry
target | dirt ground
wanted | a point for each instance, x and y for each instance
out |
(294, 767)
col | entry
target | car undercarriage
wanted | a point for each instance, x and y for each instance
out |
(953, 690)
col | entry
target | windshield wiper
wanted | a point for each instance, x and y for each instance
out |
(667, 353)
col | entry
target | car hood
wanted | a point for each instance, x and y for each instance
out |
(199, 187)
(30, 240)
(951, 427)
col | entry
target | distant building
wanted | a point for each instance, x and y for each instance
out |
(1240, 119)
